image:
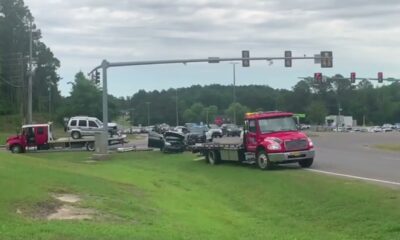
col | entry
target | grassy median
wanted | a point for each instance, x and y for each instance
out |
(389, 147)
(151, 195)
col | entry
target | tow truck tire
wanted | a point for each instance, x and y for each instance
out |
(306, 163)
(90, 146)
(213, 157)
(76, 135)
(16, 148)
(262, 161)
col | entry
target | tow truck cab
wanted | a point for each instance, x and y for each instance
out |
(273, 137)
(32, 135)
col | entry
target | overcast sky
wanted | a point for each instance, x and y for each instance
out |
(364, 36)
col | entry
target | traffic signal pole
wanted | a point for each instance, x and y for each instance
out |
(103, 150)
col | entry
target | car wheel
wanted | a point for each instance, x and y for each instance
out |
(90, 146)
(262, 161)
(76, 135)
(16, 149)
(306, 163)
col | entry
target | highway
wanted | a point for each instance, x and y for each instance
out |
(354, 155)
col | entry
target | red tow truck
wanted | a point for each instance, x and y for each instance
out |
(269, 138)
(40, 137)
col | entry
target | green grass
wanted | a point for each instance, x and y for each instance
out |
(390, 147)
(150, 195)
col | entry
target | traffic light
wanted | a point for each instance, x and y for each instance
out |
(380, 77)
(288, 58)
(97, 77)
(318, 77)
(326, 59)
(353, 77)
(246, 62)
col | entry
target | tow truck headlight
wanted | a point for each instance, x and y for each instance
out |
(310, 143)
(274, 146)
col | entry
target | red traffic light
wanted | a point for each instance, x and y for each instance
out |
(318, 77)
(380, 77)
(353, 77)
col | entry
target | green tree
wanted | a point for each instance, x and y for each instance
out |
(209, 113)
(241, 110)
(316, 112)
(86, 100)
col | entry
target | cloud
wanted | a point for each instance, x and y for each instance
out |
(85, 31)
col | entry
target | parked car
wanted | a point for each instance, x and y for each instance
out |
(397, 126)
(231, 130)
(168, 142)
(387, 127)
(86, 126)
(181, 129)
(375, 129)
(213, 132)
(197, 134)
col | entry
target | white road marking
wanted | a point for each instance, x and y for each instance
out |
(355, 177)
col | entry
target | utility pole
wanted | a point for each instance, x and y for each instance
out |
(176, 108)
(207, 116)
(30, 74)
(234, 91)
(338, 122)
(49, 88)
(148, 113)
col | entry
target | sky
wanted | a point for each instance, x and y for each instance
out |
(364, 36)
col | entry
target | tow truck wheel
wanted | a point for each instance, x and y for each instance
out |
(213, 157)
(262, 161)
(76, 135)
(306, 163)
(16, 149)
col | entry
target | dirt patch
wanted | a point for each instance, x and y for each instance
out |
(42, 209)
(67, 212)
(91, 161)
(67, 198)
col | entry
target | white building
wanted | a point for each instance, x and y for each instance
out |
(340, 121)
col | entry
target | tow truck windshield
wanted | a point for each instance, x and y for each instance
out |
(277, 124)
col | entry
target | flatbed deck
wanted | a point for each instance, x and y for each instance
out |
(228, 144)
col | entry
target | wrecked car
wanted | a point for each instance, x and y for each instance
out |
(169, 142)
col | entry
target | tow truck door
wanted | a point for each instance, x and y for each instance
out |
(41, 135)
(251, 136)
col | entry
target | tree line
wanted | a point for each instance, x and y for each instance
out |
(15, 23)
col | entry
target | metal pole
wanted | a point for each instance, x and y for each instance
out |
(177, 114)
(234, 91)
(148, 113)
(49, 102)
(207, 116)
(104, 148)
(30, 74)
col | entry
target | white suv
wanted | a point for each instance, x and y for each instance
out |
(87, 126)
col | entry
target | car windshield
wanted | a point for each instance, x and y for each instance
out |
(277, 124)
(232, 126)
(99, 123)
(198, 130)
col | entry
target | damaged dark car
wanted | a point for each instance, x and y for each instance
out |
(169, 142)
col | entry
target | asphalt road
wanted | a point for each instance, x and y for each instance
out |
(353, 154)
